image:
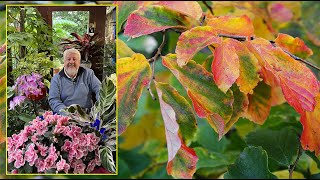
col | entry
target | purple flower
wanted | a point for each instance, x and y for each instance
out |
(17, 101)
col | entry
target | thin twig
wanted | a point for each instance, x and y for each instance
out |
(239, 38)
(209, 7)
(296, 57)
(153, 60)
(244, 38)
(291, 167)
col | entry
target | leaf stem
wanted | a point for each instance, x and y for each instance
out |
(291, 167)
(244, 38)
(209, 7)
(153, 60)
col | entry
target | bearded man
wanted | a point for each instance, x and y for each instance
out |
(73, 84)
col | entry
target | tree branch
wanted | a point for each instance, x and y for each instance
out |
(209, 7)
(244, 38)
(291, 167)
(153, 60)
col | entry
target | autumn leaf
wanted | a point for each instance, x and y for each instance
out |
(240, 106)
(298, 83)
(279, 12)
(176, 111)
(184, 164)
(150, 19)
(125, 8)
(208, 100)
(180, 127)
(259, 104)
(133, 74)
(230, 25)
(225, 66)
(123, 50)
(192, 41)
(295, 46)
(310, 138)
(191, 8)
(233, 62)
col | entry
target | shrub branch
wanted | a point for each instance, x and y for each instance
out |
(153, 60)
(244, 38)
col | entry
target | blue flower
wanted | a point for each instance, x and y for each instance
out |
(41, 117)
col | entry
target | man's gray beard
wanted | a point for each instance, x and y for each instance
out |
(72, 71)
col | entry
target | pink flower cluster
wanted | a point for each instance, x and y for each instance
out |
(56, 144)
(25, 86)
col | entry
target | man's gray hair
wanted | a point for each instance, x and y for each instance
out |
(71, 51)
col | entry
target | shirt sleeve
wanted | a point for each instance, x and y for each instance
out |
(54, 99)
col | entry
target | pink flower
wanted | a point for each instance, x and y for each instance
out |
(31, 155)
(63, 165)
(78, 166)
(42, 148)
(66, 146)
(15, 171)
(49, 162)
(19, 159)
(74, 132)
(91, 166)
(41, 165)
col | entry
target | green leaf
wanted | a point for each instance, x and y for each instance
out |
(26, 117)
(125, 8)
(252, 163)
(281, 145)
(107, 159)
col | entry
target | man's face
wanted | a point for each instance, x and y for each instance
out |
(72, 64)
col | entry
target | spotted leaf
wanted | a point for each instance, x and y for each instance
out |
(133, 75)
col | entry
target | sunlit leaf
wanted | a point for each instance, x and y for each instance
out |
(208, 100)
(249, 68)
(133, 74)
(191, 9)
(184, 164)
(225, 66)
(295, 46)
(123, 50)
(310, 138)
(259, 104)
(192, 41)
(230, 25)
(150, 19)
(298, 83)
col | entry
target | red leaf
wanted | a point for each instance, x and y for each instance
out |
(299, 84)
(310, 138)
(184, 164)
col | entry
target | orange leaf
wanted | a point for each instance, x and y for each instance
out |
(299, 84)
(295, 46)
(190, 8)
(192, 41)
(310, 138)
(259, 104)
(230, 25)
(225, 66)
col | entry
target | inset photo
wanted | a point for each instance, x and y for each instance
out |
(61, 89)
